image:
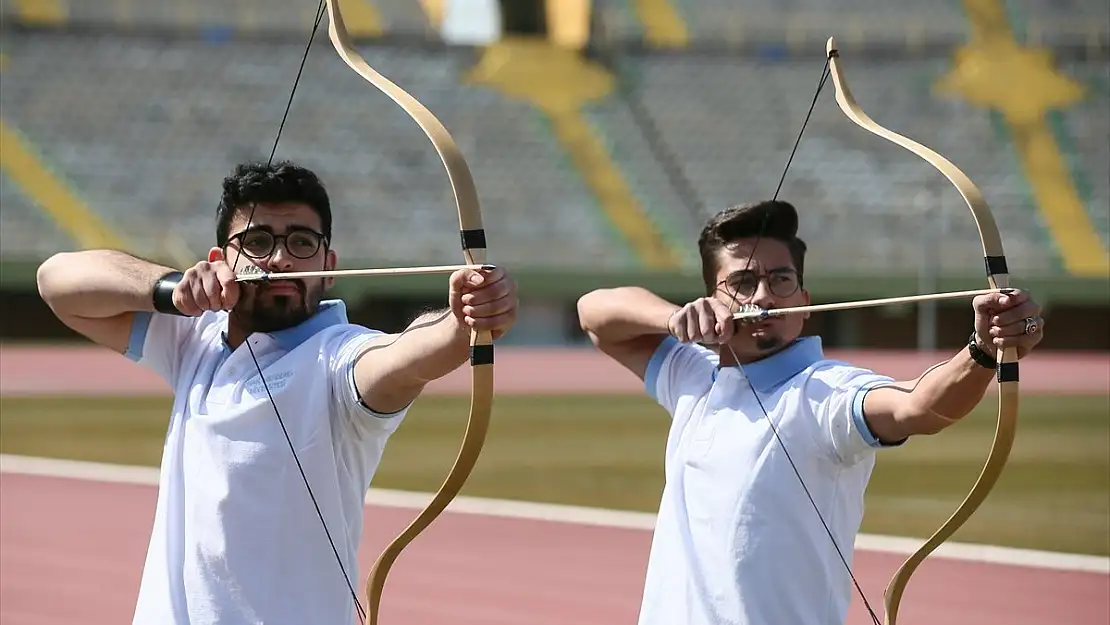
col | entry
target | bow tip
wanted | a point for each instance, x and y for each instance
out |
(830, 47)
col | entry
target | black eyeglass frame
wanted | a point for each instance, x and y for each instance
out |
(729, 282)
(321, 241)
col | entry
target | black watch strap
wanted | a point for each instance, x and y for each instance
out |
(163, 293)
(978, 355)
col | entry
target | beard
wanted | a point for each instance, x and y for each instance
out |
(767, 342)
(270, 311)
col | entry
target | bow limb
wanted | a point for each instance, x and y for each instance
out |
(997, 278)
(473, 240)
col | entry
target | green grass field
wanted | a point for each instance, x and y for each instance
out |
(607, 452)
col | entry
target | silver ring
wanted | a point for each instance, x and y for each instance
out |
(1032, 325)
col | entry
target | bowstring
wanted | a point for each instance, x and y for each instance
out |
(825, 74)
(320, 11)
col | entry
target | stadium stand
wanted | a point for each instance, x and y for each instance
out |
(771, 23)
(144, 123)
(146, 128)
(726, 121)
(406, 17)
(26, 233)
(211, 18)
(1084, 130)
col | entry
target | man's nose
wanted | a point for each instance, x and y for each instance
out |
(763, 297)
(280, 259)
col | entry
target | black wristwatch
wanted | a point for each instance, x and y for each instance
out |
(978, 355)
(163, 293)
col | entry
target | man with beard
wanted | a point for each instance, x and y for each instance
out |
(737, 539)
(236, 538)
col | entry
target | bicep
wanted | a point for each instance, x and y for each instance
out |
(633, 354)
(885, 410)
(668, 369)
(374, 369)
(895, 412)
(857, 413)
(111, 332)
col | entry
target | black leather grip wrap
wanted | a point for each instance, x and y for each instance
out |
(473, 239)
(996, 265)
(163, 293)
(1008, 372)
(481, 355)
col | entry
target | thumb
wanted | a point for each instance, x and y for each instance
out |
(464, 278)
(993, 302)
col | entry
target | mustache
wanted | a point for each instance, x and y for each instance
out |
(264, 287)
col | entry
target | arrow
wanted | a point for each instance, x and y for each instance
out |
(254, 274)
(750, 312)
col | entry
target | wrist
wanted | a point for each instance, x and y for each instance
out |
(981, 351)
(669, 318)
(162, 295)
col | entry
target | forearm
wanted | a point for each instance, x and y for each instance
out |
(434, 345)
(625, 313)
(97, 284)
(947, 393)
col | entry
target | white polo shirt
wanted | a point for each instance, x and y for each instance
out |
(236, 538)
(737, 541)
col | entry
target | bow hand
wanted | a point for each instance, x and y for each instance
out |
(1008, 320)
(483, 300)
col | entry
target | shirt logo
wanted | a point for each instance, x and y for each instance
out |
(274, 381)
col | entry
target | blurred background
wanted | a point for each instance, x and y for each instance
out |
(601, 135)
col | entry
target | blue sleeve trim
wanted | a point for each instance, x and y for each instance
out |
(861, 423)
(655, 364)
(139, 327)
(352, 386)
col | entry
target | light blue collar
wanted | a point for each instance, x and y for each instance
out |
(331, 312)
(773, 371)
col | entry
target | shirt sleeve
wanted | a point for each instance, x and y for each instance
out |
(158, 342)
(349, 347)
(839, 399)
(677, 370)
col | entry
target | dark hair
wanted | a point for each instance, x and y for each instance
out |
(773, 219)
(260, 183)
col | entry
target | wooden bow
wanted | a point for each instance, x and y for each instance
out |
(997, 278)
(473, 239)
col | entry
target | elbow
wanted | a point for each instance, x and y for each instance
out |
(588, 307)
(49, 278)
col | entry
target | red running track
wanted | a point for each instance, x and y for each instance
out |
(90, 371)
(72, 551)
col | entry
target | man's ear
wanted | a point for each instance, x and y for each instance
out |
(215, 254)
(805, 298)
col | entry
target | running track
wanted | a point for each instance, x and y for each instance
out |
(73, 536)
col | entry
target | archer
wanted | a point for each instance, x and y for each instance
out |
(762, 408)
(235, 539)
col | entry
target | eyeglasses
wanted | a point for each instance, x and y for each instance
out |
(300, 243)
(744, 283)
